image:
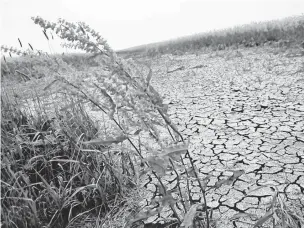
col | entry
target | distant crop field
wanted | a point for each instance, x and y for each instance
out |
(284, 32)
(204, 131)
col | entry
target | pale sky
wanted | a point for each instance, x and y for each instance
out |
(127, 23)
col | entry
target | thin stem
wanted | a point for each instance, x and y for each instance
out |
(201, 187)
(169, 123)
(165, 191)
(170, 133)
(178, 185)
(188, 177)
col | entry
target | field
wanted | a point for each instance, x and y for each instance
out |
(241, 110)
(192, 136)
(284, 32)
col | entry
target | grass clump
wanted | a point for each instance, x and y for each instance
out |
(48, 177)
(64, 166)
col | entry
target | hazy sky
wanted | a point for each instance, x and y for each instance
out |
(126, 23)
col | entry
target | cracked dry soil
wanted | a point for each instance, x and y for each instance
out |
(241, 110)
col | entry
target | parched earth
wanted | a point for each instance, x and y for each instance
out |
(241, 110)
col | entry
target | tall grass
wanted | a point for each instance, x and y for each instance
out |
(72, 167)
(48, 177)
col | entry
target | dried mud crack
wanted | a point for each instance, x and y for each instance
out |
(243, 110)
